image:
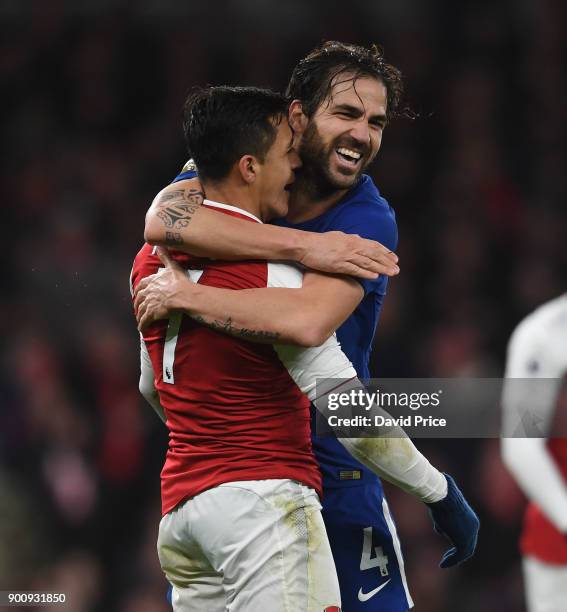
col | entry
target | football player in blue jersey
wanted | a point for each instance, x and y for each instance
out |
(341, 99)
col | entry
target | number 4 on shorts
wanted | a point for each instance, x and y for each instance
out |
(379, 560)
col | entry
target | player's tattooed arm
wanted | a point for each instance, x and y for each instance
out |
(228, 327)
(169, 290)
(304, 317)
(176, 218)
(175, 209)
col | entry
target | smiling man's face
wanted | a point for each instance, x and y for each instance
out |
(344, 134)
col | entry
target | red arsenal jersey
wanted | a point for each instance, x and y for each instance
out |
(232, 410)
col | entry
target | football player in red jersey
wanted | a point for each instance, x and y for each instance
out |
(241, 526)
(538, 349)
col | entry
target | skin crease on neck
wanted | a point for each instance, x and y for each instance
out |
(352, 119)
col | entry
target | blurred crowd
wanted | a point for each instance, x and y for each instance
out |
(92, 95)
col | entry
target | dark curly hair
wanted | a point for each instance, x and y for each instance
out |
(314, 76)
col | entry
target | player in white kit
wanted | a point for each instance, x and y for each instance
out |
(538, 349)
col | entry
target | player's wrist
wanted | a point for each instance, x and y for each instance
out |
(435, 488)
(295, 245)
(185, 297)
(453, 504)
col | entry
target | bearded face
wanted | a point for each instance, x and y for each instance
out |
(318, 157)
(344, 135)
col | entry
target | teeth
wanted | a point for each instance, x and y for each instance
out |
(348, 152)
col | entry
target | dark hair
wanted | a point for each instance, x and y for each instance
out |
(222, 124)
(313, 77)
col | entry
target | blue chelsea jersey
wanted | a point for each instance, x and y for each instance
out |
(365, 212)
(361, 211)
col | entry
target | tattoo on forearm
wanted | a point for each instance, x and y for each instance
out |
(229, 328)
(176, 209)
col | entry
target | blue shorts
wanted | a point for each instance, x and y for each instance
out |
(366, 550)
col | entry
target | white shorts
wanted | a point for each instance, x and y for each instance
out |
(546, 586)
(249, 546)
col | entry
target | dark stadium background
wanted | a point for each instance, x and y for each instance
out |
(91, 97)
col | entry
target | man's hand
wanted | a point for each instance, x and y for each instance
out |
(176, 218)
(458, 522)
(157, 295)
(340, 253)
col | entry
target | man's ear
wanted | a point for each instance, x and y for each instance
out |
(248, 168)
(298, 120)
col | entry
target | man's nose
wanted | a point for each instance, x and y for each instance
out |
(361, 132)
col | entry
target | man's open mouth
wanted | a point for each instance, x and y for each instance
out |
(348, 155)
